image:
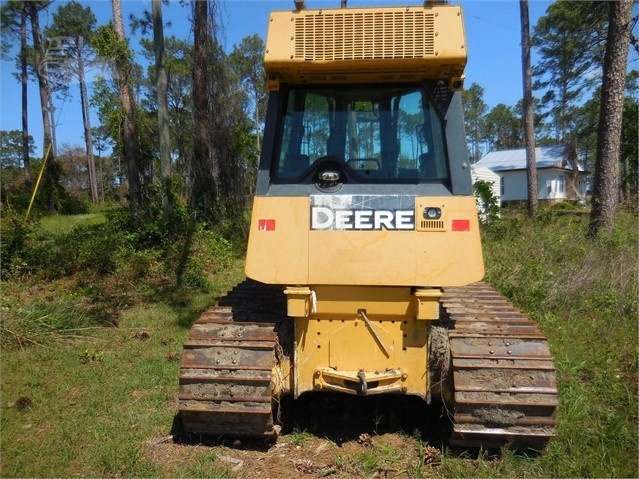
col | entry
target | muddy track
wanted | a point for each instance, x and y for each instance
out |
(503, 379)
(227, 362)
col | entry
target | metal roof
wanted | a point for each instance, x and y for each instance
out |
(545, 157)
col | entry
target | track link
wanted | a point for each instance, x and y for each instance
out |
(504, 379)
(227, 362)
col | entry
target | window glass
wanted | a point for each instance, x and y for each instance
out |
(380, 134)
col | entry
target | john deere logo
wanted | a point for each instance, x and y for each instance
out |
(362, 213)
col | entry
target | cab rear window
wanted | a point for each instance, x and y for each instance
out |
(380, 134)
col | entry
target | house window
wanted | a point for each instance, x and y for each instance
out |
(560, 184)
(501, 185)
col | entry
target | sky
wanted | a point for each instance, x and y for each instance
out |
(493, 38)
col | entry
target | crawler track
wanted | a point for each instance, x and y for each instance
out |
(504, 379)
(503, 389)
(227, 361)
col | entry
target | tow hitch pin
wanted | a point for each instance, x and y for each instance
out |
(363, 387)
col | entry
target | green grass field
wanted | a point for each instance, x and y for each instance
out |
(90, 360)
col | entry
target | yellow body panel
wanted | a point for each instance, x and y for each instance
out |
(355, 44)
(284, 250)
(278, 255)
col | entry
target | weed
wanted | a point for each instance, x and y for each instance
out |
(379, 457)
(299, 437)
(44, 321)
(377, 420)
(90, 356)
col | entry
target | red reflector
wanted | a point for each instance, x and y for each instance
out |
(461, 225)
(266, 225)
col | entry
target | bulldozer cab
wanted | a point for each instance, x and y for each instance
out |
(371, 134)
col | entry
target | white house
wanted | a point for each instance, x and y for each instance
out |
(559, 174)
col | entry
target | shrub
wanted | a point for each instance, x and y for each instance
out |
(487, 202)
(15, 230)
(564, 205)
(549, 263)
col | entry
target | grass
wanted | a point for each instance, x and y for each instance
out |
(82, 397)
(96, 401)
(583, 295)
(59, 224)
(299, 437)
(84, 393)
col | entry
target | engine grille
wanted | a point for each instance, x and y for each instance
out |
(353, 35)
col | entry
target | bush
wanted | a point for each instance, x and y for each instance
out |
(550, 263)
(126, 245)
(564, 205)
(487, 203)
(15, 230)
(84, 248)
(210, 253)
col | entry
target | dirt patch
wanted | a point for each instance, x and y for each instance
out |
(316, 457)
(323, 435)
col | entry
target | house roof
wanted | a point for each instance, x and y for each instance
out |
(483, 171)
(557, 156)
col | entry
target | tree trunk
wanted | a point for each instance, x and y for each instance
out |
(605, 197)
(86, 120)
(163, 108)
(51, 110)
(123, 73)
(24, 80)
(204, 192)
(51, 183)
(529, 118)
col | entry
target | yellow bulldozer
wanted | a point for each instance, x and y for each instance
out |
(364, 260)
